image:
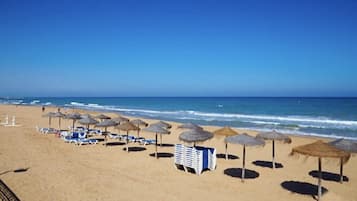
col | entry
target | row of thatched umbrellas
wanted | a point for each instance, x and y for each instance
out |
(340, 149)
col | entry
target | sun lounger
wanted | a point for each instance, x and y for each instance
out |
(13, 123)
(74, 137)
(146, 141)
(85, 141)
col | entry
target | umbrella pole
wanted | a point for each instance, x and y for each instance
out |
(160, 140)
(73, 125)
(273, 162)
(319, 181)
(243, 170)
(59, 122)
(127, 141)
(341, 170)
(138, 132)
(49, 122)
(226, 151)
(105, 135)
(156, 145)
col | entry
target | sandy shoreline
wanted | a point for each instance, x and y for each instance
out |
(61, 171)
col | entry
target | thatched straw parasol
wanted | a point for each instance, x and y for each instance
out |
(120, 119)
(88, 121)
(156, 129)
(189, 126)
(127, 126)
(102, 117)
(274, 136)
(59, 115)
(225, 131)
(106, 123)
(74, 117)
(321, 150)
(245, 140)
(164, 125)
(49, 115)
(195, 135)
(138, 123)
(347, 146)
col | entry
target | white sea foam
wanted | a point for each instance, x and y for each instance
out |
(299, 121)
(34, 102)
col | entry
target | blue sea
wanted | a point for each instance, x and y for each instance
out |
(331, 117)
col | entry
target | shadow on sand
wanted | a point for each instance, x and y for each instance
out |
(165, 145)
(20, 170)
(303, 188)
(114, 144)
(328, 176)
(162, 155)
(230, 156)
(135, 149)
(237, 172)
(267, 164)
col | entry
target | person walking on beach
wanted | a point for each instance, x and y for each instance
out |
(43, 108)
(59, 109)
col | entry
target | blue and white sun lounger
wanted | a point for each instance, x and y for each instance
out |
(86, 141)
(146, 141)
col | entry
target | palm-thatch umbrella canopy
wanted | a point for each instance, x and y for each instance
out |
(321, 149)
(138, 123)
(164, 125)
(245, 140)
(49, 115)
(59, 115)
(127, 126)
(74, 116)
(189, 126)
(102, 117)
(274, 136)
(88, 121)
(86, 116)
(347, 146)
(195, 135)
(157, 130)
(106, 123)
(225, 131)
(120, 119)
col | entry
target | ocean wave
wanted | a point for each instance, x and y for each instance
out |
(34, 102)
(292, 122)
(299, 133)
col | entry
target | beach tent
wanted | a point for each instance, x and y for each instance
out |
(347, 146)
(157, 130)
(320, 150)
(225, 131)
(138, 123)
(245, 140)
(127, 126)
(274, 136)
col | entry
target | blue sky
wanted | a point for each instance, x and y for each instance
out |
(178, 48)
